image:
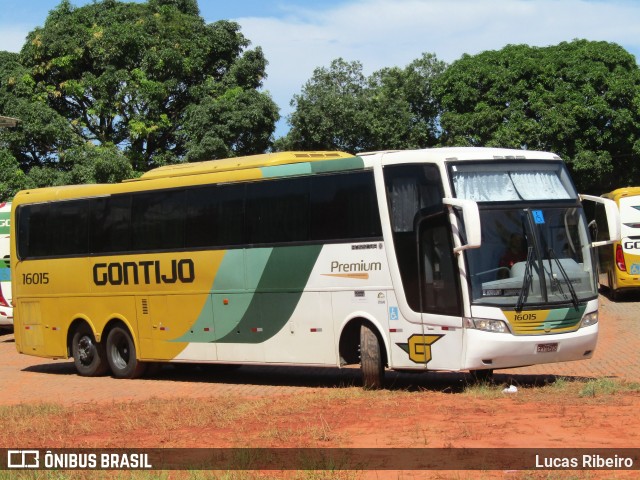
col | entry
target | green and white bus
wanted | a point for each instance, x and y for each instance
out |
(387, 260)
(6, 308)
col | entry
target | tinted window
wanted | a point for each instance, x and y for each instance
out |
(278, 211)
(55, 229)
(110, 225)
(344, 206)
(157, 220)
(330, 207)
(215, 216)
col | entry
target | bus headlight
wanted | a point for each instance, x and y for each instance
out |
(589, 319)
(486, 324)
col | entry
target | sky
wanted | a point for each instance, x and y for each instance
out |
(298, 36)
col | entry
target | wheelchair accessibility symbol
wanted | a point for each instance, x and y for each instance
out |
(635, 269)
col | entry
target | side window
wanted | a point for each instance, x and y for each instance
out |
(215, 216)
(344, 206)
(110, 224)
(45, 231)
(158, 220)
(278, 211)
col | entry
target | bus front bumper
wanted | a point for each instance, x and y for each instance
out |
(488, 350)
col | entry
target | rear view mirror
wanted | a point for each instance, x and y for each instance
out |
(605, 226)
(471, 220)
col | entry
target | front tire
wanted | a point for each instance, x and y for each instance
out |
(89, 356)
(371, 361)
(121, 354)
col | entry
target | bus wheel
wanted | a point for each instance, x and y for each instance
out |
(121, 353)
(371, 358)
(89, 356)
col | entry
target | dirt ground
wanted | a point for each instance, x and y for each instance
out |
(276, 407)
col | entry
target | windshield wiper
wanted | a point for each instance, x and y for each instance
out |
(572, 291)
(526, 283)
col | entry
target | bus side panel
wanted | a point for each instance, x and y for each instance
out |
(309, 335)
(166, 323)
(428, 346)
(28, 335)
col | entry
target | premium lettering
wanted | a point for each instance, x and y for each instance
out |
(355, 267)
(145, 272)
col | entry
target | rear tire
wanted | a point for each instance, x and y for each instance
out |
(121, 353)
(371, 361)
(89, 356)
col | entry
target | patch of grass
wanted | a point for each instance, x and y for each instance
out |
(599, 387)
(483, 390)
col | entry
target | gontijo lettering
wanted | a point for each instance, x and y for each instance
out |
(146, 272)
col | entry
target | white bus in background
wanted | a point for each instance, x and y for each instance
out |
(6, 310)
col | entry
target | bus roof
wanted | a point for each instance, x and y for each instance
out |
(271, 165)
(240, 163)
(443, 154)
(619, 193)
(251, 167)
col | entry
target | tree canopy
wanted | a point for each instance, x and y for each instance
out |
(579, 99)
(341, 108)
(146, 78)
(112, 89)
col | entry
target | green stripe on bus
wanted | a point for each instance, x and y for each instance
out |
(306, 168)
(352, 163)
(276, 297)
(286, 170)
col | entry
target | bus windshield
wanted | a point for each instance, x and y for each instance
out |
(532, 256)
(534, 248)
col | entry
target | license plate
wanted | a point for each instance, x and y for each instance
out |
(547, 347)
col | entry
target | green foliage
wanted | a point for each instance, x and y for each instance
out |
(42, 133)
(131, 75)
(339, 108)
(12, 179)
(578, 99)
(331, 112)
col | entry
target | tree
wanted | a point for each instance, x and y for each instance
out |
(331, 112)
(127, 74)
(340, 108)
(230, 120)
(43, 135)
(579, 99)
(405, 109)
(12, 179)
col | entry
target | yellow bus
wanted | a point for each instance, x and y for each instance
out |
(387, 260)
(620, 262)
